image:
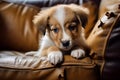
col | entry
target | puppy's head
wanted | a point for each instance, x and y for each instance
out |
(63, 24)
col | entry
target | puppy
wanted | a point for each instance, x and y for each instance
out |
(62, 26)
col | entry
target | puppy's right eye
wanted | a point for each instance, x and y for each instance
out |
(55, 30)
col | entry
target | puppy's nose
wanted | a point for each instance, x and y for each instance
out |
(66, 43)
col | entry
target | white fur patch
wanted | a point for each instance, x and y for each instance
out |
(55, 57)
(60, 17)
(78, 53)
(45, 42)
(65, 36)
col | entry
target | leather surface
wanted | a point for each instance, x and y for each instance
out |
(92, 18)
(16, 20)
(17, 66)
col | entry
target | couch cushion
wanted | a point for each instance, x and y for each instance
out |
(16, 66)
(17, 31)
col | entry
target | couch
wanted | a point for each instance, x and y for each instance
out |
(18, 35)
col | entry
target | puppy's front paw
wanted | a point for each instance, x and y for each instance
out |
(55, 57)
(78, 53)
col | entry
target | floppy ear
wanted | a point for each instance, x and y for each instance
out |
(41, 20)
(81, 13)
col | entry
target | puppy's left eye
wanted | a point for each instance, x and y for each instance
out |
(71, 27)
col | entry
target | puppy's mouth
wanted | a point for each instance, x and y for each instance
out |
(66, 48)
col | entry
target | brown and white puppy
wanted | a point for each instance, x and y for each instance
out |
(62, 25)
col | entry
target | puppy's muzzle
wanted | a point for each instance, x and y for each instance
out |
(66, 43)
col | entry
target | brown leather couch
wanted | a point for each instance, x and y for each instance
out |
(19, 35)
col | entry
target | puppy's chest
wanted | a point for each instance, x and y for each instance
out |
(45, 41)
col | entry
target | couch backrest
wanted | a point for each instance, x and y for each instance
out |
(17, 31)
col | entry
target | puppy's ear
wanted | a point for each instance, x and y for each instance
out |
(41, 20)
(81, 13)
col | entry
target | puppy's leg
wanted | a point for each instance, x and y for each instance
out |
(80, 49)
(53, 54)
(78, 53)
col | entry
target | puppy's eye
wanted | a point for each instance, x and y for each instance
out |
(71, 28)
(55, 30)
